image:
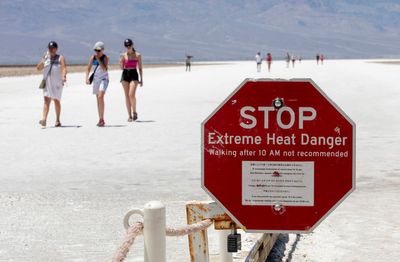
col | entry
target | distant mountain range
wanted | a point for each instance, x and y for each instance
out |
(209, 30)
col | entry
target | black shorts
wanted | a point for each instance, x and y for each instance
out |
(129, 75)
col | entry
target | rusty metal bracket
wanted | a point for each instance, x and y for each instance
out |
(197, 211)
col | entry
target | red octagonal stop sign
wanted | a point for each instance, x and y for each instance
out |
(278, 155)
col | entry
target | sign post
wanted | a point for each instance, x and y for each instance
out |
(278, 156)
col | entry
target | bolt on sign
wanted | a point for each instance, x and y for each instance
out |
(278, 156)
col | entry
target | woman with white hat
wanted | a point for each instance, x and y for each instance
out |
(54, 76)
(99, 78)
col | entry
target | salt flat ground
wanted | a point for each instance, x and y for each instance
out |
(64, 191)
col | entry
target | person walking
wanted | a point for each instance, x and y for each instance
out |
(317, 57)
(287, 60)
(269, 61)
(322, 58)
(293, 58)
(188, 62)
(258, 61)
(55, 75)
(99, 78)
(130, 61)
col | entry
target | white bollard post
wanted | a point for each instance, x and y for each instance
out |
(154, 232)
(225, 256)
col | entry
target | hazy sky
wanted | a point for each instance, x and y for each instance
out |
(209, 30)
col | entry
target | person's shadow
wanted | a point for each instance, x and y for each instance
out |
(114, 126)
(66, 126)
(278, 251)
(137, 121)
(145, 121)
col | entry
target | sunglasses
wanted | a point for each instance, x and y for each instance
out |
(128, 45)
(97, 51)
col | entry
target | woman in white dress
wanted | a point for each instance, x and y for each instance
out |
(55, 74)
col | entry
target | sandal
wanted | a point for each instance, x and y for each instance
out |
(101, 123)
(57, 124)
(135, 116)
(130, 119)
(42, 123)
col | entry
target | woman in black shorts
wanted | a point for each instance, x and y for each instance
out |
(130, 62)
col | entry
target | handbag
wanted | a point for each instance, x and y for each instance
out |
(42, 84)
(91, 77)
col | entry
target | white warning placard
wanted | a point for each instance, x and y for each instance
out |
(267, 183)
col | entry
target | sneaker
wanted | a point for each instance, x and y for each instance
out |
(101, 123)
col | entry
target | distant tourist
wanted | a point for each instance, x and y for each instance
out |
(258, 61)
(322, 58)
(287, 60)
(269, 61)
(299, 59)
(99, 78)
(293, 58)
(54, 76)
(188, 62)
(317, 57)
(130, 62)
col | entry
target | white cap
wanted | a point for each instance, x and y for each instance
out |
(98, 46)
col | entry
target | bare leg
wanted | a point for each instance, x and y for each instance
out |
(57, 105)
(100, 104)
(46, 107)
(132, 95)
(125, 85)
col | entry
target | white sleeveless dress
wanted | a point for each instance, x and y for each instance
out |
(54, 81)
